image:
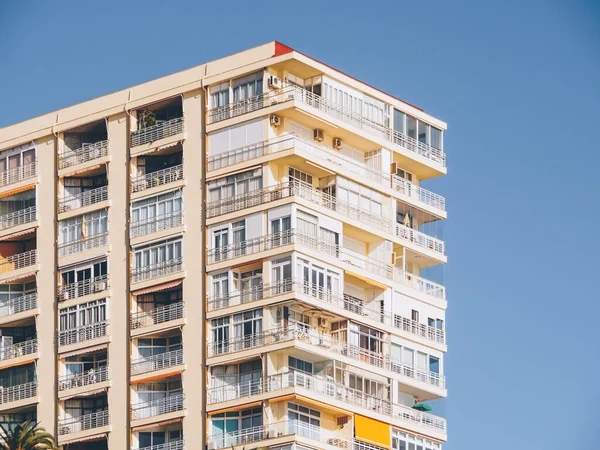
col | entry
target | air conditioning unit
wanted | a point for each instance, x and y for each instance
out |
(393, 168)
(100, 286)
(318, 135)
(65, 295)
(337, 143)
(323, 322)
(6, 341)
(275, 120)
(272, 433)
(212, 445)
(274, 82)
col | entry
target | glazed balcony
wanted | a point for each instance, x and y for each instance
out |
(79, 380)
(19, 349)
(17, 393)
(157, 223)
(156, 270)
(83, 245)
(83, 199)
(85, 287)
(170, 404)
(83, 333)
(157, 362)
(16, 218)
(18, 305)
(86, 422)
(327, 157)
(159, 315)
(19, 261)
(173, 445)
(157, 132)
(89, 152)
(157, 178)
(18, 174)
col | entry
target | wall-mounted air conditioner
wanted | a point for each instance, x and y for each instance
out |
(274, 120)
(318, 135)
(274, 82)
(337, 143)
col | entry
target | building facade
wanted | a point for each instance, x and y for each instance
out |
(232, 255)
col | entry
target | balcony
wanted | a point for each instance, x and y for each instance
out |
(329, 158)
(157, 178)
(86, 422)
(81, 380)
(19, 349)
(88, 152)
(84, 287)
(170, 404)
(173, 445)
(18, 305)
(83, 333)
(157, 362)
(19, 261)
(17, 393)
(16, 218)
(159, 315)
(18, 174)
(156, 270)
(322, 199)
(82, 245)
(157, 223)
(156, 132)
(83, 199)
(346, 257)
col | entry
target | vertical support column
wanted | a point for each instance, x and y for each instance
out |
(47, 371)
(118, 267)
(194, 331)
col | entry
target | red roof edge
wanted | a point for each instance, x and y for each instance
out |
(281, 49)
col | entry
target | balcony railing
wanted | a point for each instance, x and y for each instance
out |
(96, 419)
(157, 223)
(88, 152)
(156, 270)
(20, 217)
(83, 333)
(77, 380)
(19, 349)
(83, 199)
(158, 315)
(240, 343)
(172, 403)
(320, 198)
(250, 152)
(157, 362)
(173, 445)
(17, 174)
(82, 245)
(18, 305)
(18, 261)
(18, 392)
(241, 107)
(157, 178)
(420, 329)
(156, 132)
(84, 287)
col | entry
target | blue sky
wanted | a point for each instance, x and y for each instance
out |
(517, 82)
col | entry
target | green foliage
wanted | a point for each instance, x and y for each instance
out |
(26, 436)
(146, 118)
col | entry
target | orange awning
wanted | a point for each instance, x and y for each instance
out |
(159, 424)
(236, 408)
(94, 437)
(158, 287)
(17, 191)
(372, 431)
(156, 377)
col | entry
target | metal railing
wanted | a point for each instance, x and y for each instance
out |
(173, 445)
(157, 362)
(157, 223)
(17, 174)
(82, 199)
(88, 152)
(18, 349)
(156, 270)
(172, 403)
(420, 284)
(241, 107)
(82, 245)
(420, 239)
(18, 261)
(157, 178)
(156, 132)
(83, 333)
(249, 152)
(96, 419)
(18, 392)
(158, 315)
(19, 217)
(18, 304)
(85, 287)
(237, 344)
(77, 380)
(419, 329)
(418, 193)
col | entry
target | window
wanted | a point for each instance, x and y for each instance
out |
(247, 86)
(247, 327)
(406, 441)
(157, 253)
(281, 275)
(305, 421)
(297, 175)
(148, 347)
(81, 227)
(318, 281)
(435, 323)
(82, 407)
(155, 207)
(298, 364)
(367, 339)
(81, 364)
(220, 285)
(76, 186)
(23, 155)
(251, 285)
(307, 224)
(280, 229)
(84, 314)
(220, 334)
(149, 302)
(414, 315)
(225, 425)
(73, 279)
(232, 185)
(360, 197)
(219, 95)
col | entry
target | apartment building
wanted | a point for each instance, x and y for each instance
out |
(232, 255)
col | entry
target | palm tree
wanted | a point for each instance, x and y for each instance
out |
(26, 436)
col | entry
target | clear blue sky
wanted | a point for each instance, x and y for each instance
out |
(518, 84)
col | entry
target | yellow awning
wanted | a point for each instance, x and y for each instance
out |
(158, 287)
(372, 431)
(236, 408)
(365, 279)
(156, 377)
(17, 191)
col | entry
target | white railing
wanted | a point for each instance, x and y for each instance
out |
(82, 199)
(157, 362)
(420, 239)
(157, 178)
(85, 287)
(156, 132)
(18, 305)
(18, 349)
(18, 261)
(158, 315)
(241, 107)
(157, 223)
(82, 245)
(77, 380)
(20, 217)
(250, 152)
(173, 445)
(237, 344)
(172, 403)
(156, 270)
(420, 329)
(96, 419)
(420, 284)
(18, 392)
(88, 152)
(83, 333)
(17, 174)
(418, 193)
